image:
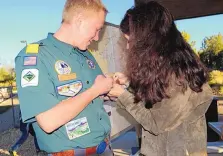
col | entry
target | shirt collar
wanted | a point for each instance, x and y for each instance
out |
(62, 46)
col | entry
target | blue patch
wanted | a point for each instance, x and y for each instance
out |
(101, 147)
(91, 64)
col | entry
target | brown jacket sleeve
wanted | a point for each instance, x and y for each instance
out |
(169, 113)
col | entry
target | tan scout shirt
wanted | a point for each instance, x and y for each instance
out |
(174, 126)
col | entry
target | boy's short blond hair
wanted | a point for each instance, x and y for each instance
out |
(73, 7)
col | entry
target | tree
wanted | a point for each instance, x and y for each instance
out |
(211, 53)
(7, 76)
(3, 74)
(213, 44)
(187, 38)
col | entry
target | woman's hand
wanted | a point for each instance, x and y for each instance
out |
(116, 90)
(121, 79)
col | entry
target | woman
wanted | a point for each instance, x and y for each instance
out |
(168, 92)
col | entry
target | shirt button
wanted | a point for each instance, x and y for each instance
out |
(87, 82)
(92, 101)
(109, 113)
(100, 118)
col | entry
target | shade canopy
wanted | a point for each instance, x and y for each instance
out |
(183, 9)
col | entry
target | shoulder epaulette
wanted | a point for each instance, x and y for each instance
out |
(32, 48)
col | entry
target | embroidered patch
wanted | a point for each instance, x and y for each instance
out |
(29, 77)
(66, 77)
(91, 64)
(30, 61)
(70, 89)
(77, 128)
(62, 67)
(32, 49)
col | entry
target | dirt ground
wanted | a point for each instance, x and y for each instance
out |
(9, 137)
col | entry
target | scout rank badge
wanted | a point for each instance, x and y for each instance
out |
(90, 63)
(29, 77)
(64, 71)
(70, 89)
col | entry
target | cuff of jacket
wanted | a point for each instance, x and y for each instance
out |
(124, 99)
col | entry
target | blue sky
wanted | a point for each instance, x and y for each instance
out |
(32, 20)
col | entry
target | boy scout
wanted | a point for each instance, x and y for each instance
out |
(59, 84)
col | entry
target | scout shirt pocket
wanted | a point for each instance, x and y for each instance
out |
(103, 119)
(67, 80)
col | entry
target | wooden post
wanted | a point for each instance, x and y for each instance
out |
(13, 110)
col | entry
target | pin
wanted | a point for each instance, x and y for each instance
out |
(91, 64)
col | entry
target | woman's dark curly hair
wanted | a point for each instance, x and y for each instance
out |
(158, 54)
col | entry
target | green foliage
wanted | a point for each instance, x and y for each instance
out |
(216, 77)
(216, 82)
(213, 44)
(3, 74)
(221, 90)
(211, 53)
(7, 77)
(187, 38)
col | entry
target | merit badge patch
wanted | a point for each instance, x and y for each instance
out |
(77, 128)
(30, 61)
(91, 64)
(62, 67)
(29, 77)
(70, 89)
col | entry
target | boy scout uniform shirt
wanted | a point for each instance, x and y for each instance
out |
(52, 71)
